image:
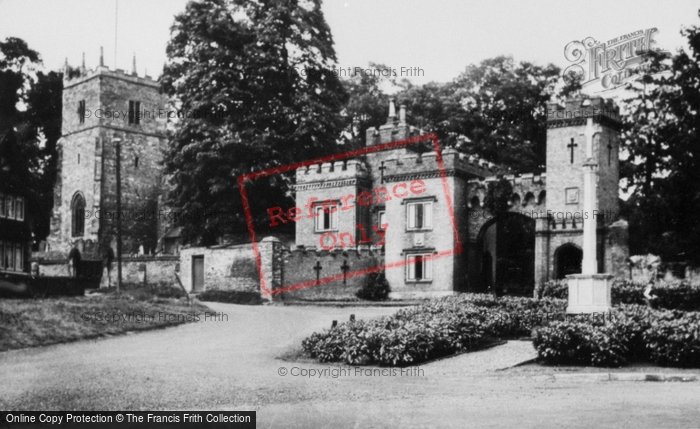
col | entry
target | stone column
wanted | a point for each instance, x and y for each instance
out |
(589, 292)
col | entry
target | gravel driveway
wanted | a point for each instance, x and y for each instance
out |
(234, 365)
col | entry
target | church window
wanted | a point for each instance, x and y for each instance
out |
(419, 267)
(134, 112)
(78, 216)
(326, 217)
(136, 162)
(420, 215)
(81, 111)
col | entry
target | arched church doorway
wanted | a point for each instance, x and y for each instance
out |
(567, 260)
(506, 247)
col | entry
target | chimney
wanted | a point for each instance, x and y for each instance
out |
(133, 65)
(102, 57)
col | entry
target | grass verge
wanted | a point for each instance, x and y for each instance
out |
(40, 322)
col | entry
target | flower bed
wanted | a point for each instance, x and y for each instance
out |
(439, 328)
(465, 322)
(667, 338)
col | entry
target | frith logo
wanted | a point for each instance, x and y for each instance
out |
(609, 63)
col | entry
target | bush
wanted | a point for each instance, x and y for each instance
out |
(553, 289)
(230, 296)
(579, 341)
(439, 328)
(375, 288)
(674, 340)
(677, 295)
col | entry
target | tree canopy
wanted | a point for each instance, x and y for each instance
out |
(260, 72)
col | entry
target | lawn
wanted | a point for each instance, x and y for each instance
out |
(40, 322)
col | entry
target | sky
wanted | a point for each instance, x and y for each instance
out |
(439, 37)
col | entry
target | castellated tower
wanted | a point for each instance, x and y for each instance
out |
(566, 156)
(100, 106)
(340, 224)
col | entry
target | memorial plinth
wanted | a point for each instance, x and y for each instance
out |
(589, 293)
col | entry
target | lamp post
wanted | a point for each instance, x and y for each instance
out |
(118, 147)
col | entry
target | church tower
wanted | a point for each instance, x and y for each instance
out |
(559, 235)
(100, 108)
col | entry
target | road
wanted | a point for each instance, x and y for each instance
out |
(234, 365)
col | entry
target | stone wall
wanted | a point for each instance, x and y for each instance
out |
(225, 267)
(299, 268)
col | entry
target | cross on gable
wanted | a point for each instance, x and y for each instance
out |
(381, 171)
(572, 145)
(345, 267)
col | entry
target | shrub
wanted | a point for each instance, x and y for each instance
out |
(676, 295)
(553, 289)
(579, 341)
(230, 296)
(375, 288)
(674, 340)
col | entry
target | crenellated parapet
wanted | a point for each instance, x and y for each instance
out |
(529, 190)
(332, 174)
(411, 165)
(576, 111)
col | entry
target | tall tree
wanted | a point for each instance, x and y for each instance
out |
(30, 115)
(663, 164)
(502, 108)
(260, 74)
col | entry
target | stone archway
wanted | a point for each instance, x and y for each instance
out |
(506, 251)
(567, 260)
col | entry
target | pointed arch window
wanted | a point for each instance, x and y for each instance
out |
(78, 216)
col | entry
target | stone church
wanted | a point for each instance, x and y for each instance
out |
(105, 112)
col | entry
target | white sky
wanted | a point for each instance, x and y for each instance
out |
(440, 36)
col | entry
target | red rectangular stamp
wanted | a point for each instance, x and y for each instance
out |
(343, 203)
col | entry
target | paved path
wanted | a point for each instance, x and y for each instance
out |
(233, 365)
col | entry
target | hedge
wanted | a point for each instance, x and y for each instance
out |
(631, 332)
(677, 295)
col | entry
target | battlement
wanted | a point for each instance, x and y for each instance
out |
(76, 75)
(581, 108)
(525, 179)
(361, 251)
(413, 163)
(348, 169)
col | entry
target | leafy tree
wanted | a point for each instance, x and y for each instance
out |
(367, 104)
(663, 166)
(503, 111)
(261, 74)
(30, 116)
